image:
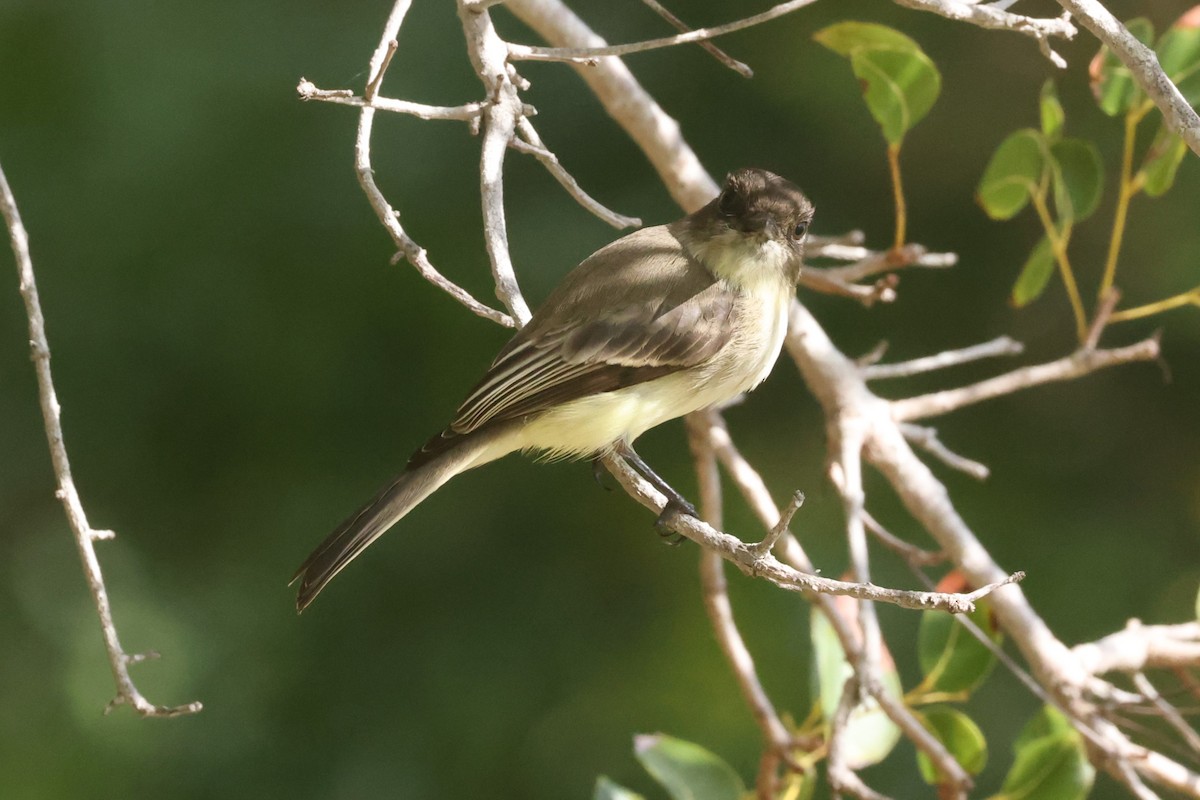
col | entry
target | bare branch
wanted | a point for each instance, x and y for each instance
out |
(85, 535)
(1140, 647)
(408, 248)
(1075, 365)
(1178, 115)
(913, 555)
(464, 113)
(927, 439)
(1001, 346)
(872, 262)
(720, 610)
(1168, 711)
(841, 777)
(985, 15)
(531, 140)
(654, 131)
(589, 55)
(708, 47)
(744, 556)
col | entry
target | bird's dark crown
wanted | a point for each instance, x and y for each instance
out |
(752, 199)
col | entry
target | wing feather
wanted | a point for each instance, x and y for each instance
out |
(637, 310)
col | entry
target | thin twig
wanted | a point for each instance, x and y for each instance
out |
(927, 439)
(1104, 313)
(720, 613)
(587, 55)
(781, 527)
(408, 248)
(872, 262)
(1075, 365)
(1001, 346)
(464, 113)
(742, 554)
(914, 556)
(85, 535)
(1168, 711)
(532, 144)
(708, 47)
(499, 121)
(985, 15)
(842, 777)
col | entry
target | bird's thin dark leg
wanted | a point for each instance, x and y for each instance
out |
(676, 503)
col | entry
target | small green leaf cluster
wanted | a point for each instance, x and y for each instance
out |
(899, 82)
(1033, 167)
(1050, 762)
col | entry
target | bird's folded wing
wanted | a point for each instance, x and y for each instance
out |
(661, 312)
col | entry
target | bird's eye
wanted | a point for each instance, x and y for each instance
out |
(727, 202)
(800, 230)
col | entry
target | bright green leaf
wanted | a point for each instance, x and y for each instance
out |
(1034, 275)
(1013, 174)
(1051, 111)
(844, 38)
(1079, 178)
(686, 770)
(1113, 86)
(1179, 55)
(1162, 162)
(608, 790)
(951, 659)
(1051, 762)
(961, 737)
(899, 82)
(871, 735)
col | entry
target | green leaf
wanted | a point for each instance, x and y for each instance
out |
(608, 790)
(899, 82)
(1013, 175)
(959, 734)
(1179, 55)
(1034, 276)
(1162, 162)
(951, 659)
(1112, 85)
(1051, 111)
(1079, 178)
(1051, 763)
(686, 770)
(871, 735)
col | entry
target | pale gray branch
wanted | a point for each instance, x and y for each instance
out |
(588, 55)
(927, 439)
(1075, 365)
(531, 140)
(464, 113)
(708, 47)
(1140, 647)
(1001, 346)
(988, 16)
(85, 535)
(1143, 64)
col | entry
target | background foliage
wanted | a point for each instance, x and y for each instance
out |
(240, 367)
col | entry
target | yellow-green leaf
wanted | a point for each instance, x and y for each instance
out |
(951, 659)
(961, 737)
(607, 789)
(1179, 55)
(1051, 762)
(1013, 174)
(1051, 112)
(870, 734)
(1034, 275)
(899, 82)
(1162, 162)
(1078, 178)
(686, 770)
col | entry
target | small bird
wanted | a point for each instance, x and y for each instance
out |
(660, 323)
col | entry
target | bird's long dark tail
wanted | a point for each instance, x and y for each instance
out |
(423, 476)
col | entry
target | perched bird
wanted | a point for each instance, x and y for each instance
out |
(660, 323)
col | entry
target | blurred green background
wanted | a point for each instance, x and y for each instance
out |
(240, 367)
